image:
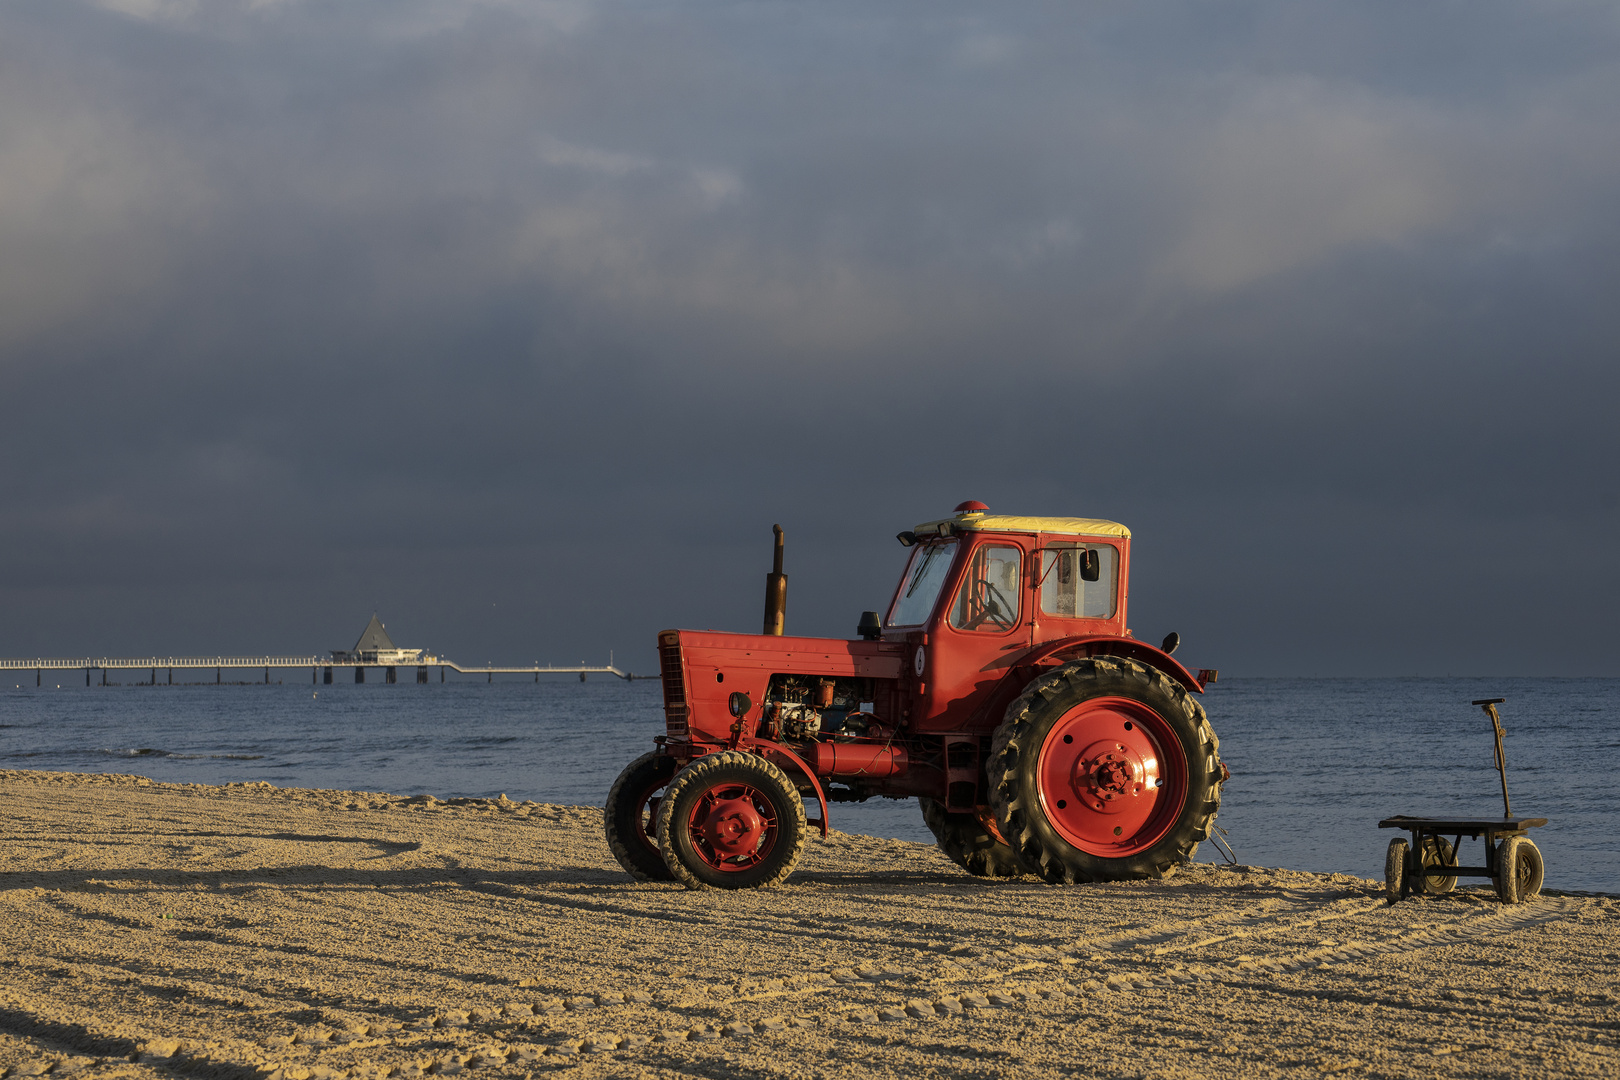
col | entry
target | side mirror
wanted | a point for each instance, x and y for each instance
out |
(1090, 565)
(871, 626)
(738, 704)
(1171, 642)
(906, 538)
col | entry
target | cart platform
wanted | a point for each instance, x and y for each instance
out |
(1464, 826)
(1428, 865)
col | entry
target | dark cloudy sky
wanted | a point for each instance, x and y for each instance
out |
(521, 323)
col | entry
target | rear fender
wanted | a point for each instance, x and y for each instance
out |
(1053, 653)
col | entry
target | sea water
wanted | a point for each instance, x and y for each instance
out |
(1315, 762)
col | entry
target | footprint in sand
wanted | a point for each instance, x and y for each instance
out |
(890, 1015)
(1004, 1000)
(975, 1001)
(948, 1007)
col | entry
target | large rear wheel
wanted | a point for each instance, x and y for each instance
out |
(1104, 770)
(730, 821)
(971, 843)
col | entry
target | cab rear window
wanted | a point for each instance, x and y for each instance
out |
(1064, 591)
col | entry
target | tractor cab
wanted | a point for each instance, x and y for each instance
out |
(980, 589)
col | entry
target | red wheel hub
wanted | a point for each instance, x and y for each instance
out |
(1113, 776)
(733, 826)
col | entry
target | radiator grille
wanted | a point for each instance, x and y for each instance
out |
(675, 711)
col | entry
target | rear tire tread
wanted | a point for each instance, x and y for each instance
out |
(968, 843)
(1079, 681)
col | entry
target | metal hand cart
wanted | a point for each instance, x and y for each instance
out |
(1428, 865)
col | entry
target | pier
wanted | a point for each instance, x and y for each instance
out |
(375, 649)
(321, 667)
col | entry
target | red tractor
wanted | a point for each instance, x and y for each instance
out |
(1002, 689)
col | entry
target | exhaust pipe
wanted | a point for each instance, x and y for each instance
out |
(776, 591)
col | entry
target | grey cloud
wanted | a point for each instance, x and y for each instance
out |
(528, 320)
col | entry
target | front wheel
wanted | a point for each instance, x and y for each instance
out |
(1519, 870)
(631, 815)
(1395, 870)
(730, 821)
(1104, 770)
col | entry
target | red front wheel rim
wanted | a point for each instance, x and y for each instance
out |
(1113, 777)
(733, 827)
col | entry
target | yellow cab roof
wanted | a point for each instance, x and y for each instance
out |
(983, 522)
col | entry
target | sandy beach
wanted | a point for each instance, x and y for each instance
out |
(153, 930)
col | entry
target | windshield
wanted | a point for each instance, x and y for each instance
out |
(925, 576)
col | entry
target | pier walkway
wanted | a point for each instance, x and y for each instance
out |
(321, 667)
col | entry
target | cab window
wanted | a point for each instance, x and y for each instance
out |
(1064, 590)
(988, 598)
(925, 577)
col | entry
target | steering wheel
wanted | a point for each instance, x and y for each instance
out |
(996, 608)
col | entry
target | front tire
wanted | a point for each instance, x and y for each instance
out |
(1519, 870)
(1104, 770)
(630, 818)
(730, 821)
(1395, 870)
(969, 843)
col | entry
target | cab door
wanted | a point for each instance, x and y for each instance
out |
(980, 628)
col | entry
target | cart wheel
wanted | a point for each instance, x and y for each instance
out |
(1519, 870)
(1395, 870)
(1435, 851)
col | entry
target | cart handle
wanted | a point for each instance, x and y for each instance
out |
(1489, 705)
